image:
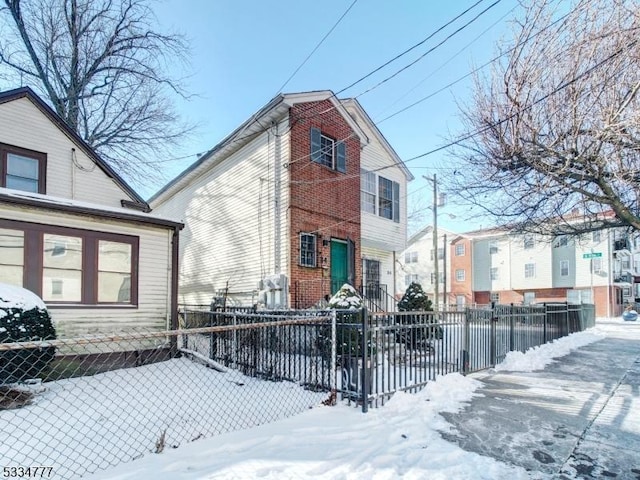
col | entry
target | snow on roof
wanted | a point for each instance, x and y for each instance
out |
(18, 297)
(27, 197)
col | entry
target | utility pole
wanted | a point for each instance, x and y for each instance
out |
(445, 302)
(435, 239)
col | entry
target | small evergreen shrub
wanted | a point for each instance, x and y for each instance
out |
(23, 318)
(416, 300)
(348, 325)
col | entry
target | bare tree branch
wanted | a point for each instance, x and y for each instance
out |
(571, 162)
(102, 65)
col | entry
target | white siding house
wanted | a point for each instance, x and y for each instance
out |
(272, 213)
(74, 232)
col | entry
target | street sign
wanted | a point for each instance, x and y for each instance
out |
(592, 255)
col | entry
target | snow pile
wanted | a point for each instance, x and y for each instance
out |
(18, 297)
(537, 358)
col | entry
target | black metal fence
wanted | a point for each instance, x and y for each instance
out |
(383, 353)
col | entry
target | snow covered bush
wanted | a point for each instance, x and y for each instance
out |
(23, 317)
(415, 300)
(349, 321)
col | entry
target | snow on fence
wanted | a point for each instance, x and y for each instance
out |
(103, 400)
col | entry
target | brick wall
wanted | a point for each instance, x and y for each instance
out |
(461, 262)
(329, 205)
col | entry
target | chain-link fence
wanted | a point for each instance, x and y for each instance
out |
(84, 404)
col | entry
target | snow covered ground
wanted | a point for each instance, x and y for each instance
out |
(401, 439)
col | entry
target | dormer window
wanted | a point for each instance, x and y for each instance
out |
(22, 169)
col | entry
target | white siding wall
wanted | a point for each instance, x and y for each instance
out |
(540, 255)
(583, 266)
(22, 124)
(377, 231)
(228, 211)
(386, 260)
(153, 276)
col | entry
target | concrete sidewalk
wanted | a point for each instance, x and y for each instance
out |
(577, 419)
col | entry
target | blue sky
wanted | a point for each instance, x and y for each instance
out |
(244, 51)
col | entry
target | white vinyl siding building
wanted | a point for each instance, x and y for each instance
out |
(81, 214)
(229, 204)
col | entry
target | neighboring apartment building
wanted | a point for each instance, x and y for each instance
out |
(601, 267)
(417, 264)
(73, 232)
(304, 196)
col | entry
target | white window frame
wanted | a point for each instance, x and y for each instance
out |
(411, 257)
(493, 247)
(368, 192)
(530, 272)
(564, 268)
(460, 250)
(494, 297)
(493, 272)
(460, 275)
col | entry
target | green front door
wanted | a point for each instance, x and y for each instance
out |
(339, 265)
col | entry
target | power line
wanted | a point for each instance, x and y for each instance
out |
(317, 46)
(449, 85)
(499, 20)
(254, 118)
(428, 51)
(528, 107)
(482, 130)
(431, 35)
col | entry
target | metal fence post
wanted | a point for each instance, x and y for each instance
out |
(544, 324)
(334, 353)
(465, 342)
(364, 356)
(493, 334)
(566, 319)
(512, 332)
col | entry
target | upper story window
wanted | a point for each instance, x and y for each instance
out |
(368, 193)
(411, 257)
(460, 275)
(22, 169)
(529, 242)
(494, 273)
(564, 268)
(327, 151)
(529, 270)
(561, 241)
(459, 249)
(596, 265)
(596, 236)
(493, 247)
(440, 253)
(379, 195)
(307, 250)
(412, 278)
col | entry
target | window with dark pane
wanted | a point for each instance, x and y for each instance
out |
(385, 198)
(307, 250)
